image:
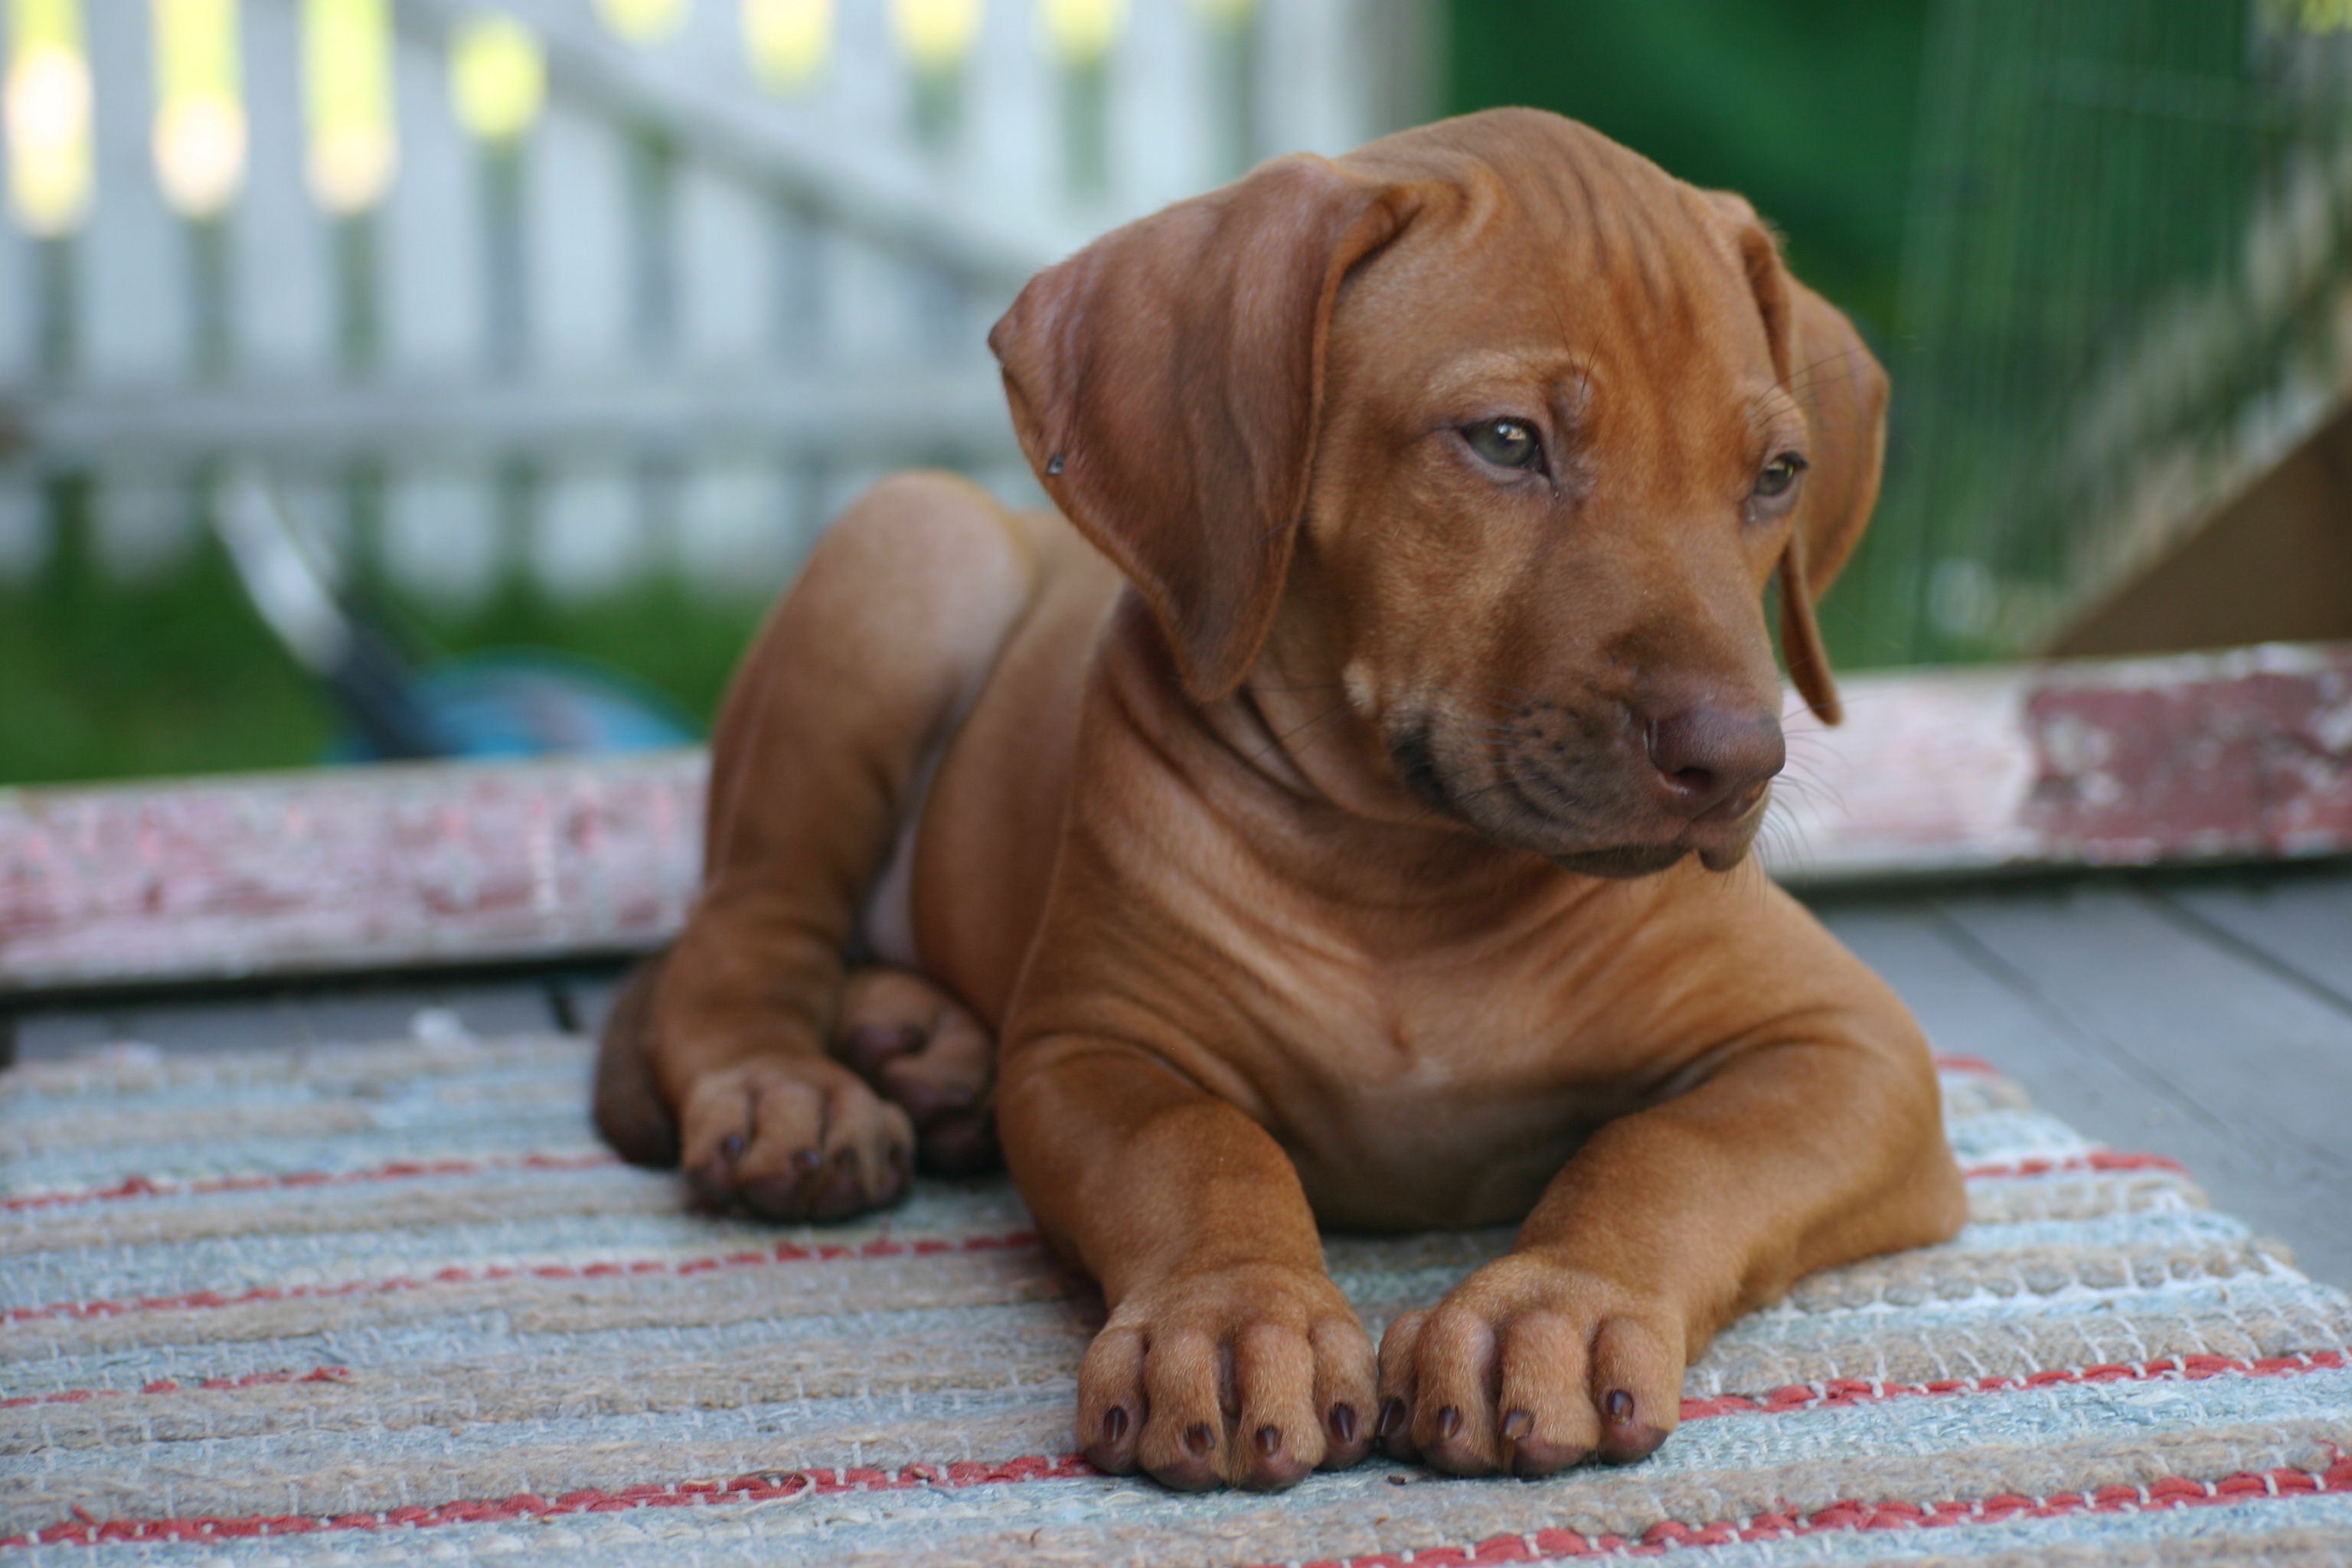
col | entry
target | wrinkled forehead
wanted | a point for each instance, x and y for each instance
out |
(1545, 238)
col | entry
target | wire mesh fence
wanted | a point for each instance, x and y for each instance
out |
(2126, 289)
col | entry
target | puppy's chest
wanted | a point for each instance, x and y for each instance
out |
(1410, 1052)
(1426, 1098)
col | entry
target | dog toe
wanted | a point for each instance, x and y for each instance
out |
(1636, 1386)
(1276, 1438)
(1548, 1422)
(1346, 1393)
(1111, 1403)
(1454, 1417)
(1183, 1439)
(1392, 1425)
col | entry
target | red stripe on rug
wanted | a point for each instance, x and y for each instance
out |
(1844, 1392)
(2075, 1165)
(783, 1252)
(1953, 1061)
(399, 1170)
(172, 1385)
(1832, 1395)
(764, 1487)
(1854, 1515)
(136, 1186)
(2172, 1491)
(2095, 1160)
(760, 1488)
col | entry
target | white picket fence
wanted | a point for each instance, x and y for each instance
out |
(690, 317)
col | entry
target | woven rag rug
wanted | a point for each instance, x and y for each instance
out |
(392, 1301)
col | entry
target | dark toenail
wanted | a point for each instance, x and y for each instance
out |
(1114, 1423)
(807, 1160)
(1619, 1406)
(1269, 1440)
(1518, 1424)
(1391, 1418)
(1449, 1423)
(1198, 1438)
(730, 1148)
(1343, 1423)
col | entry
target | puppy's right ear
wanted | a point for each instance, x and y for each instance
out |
(1165, 383)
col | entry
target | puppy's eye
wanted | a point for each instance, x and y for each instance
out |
(1510, 443)
(1780, 474)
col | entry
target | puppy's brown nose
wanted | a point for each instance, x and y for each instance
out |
(1706, 757)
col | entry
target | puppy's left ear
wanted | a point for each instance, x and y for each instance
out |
(1825, 366)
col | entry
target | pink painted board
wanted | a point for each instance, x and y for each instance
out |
(2236, 755)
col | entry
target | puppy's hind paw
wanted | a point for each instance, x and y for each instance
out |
(930, 1058)
(794, 1138)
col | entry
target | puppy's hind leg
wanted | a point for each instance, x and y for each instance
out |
(893, 626)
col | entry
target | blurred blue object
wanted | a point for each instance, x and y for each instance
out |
(520, 702)
(525, 702)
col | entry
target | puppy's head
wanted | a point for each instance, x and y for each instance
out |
(1496, 431)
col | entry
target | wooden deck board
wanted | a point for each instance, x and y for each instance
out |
(2204, 759)
(2147, 1031)
(2303, 922)
(289, 1018)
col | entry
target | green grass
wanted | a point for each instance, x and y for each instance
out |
(105, 679)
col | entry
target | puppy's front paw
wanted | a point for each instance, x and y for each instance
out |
(1528, 1367)
(794, 1138)
(1250, 1375)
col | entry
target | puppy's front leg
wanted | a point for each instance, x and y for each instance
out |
(1791, 1156)
(1229, 1354)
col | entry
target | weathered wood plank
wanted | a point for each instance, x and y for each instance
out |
(344, 871)
(284, 310)
(309, 1017)
(892, 192)
(2217, 1041)
(2301, 922)
(2144, 761)
(2238, 755)
(2210, 1092)
(132, 259)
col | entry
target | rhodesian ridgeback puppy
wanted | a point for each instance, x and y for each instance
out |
(1342, 818)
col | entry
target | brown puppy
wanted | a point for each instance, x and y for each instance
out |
(1368, 847)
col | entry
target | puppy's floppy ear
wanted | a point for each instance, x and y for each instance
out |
(1165, 383)
(1824, 366)
(1843, 391)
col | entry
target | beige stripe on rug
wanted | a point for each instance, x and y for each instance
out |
(364, 1303)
